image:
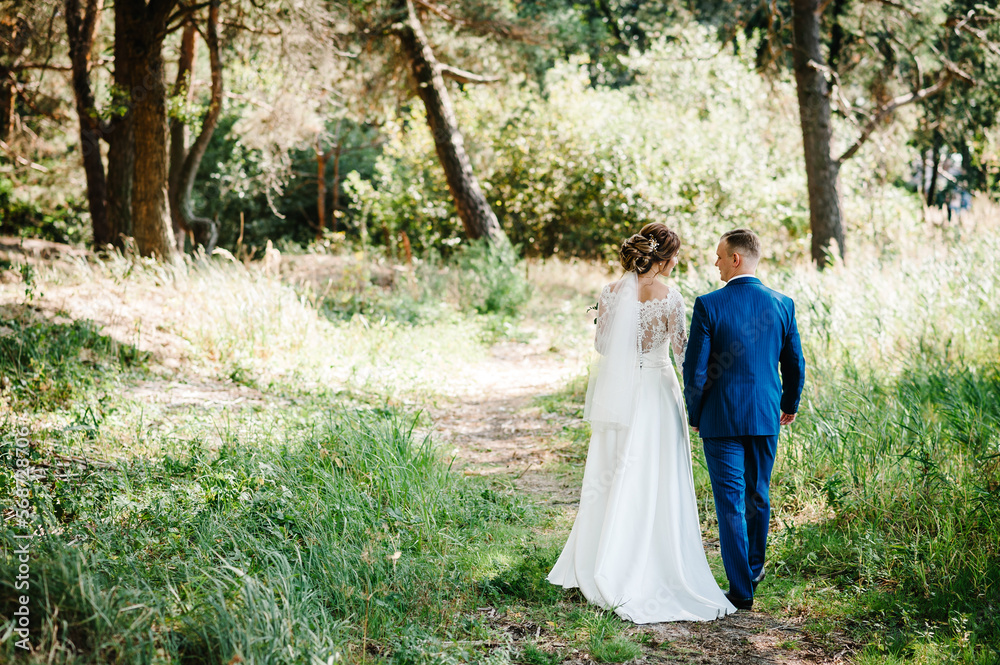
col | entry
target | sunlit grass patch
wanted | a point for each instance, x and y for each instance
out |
(47, 364)
(605, 641)
(235, 323)
(311, 545)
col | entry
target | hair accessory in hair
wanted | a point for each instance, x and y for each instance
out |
(653, 244)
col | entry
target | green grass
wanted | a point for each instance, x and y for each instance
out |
(909, 472)
(321, 525)
(333, 537)
(606, 644)
(532, 655)
(47, 365)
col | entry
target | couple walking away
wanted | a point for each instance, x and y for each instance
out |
(636, 544)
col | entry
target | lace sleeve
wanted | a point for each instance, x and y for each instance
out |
(601, 336)
(677, 329)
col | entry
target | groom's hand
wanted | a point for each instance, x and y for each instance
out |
(787, 418)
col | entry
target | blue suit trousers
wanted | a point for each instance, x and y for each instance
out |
(740, 469)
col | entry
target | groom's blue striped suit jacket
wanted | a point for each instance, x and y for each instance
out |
(740, 335)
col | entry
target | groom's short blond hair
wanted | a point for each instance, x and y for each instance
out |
(743, 241)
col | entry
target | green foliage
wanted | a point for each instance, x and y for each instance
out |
(493, 280)
(880, 51)
(277, 201)
(66, 222)
(406, 192)
(575, 171)
(606, 33)
(911, 469)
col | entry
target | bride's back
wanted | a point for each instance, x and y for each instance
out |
(653, 291)
(660, 318)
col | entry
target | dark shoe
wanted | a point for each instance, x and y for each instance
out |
(740, 603)
(760, 578)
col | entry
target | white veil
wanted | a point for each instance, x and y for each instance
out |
(611, 391)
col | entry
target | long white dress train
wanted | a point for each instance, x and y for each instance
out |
(636, 546)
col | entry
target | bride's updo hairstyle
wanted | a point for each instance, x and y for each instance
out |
(654, 243)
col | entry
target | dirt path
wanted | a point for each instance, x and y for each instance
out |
(496, 426)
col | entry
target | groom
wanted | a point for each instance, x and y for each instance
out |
(740, 335)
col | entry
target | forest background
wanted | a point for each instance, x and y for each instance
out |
(237, 123)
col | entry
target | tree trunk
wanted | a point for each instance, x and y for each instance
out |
(336, 187)
(178, 130)
(145, 26)
(923, 173)
(472, 206)
(80, 33)
(814, 114)
(321, 156)
(6, 103)
(121, 136)
(204, 230)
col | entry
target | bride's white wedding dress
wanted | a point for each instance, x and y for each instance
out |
(636, 543)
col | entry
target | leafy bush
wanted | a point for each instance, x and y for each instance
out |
(406, 193)
(67, 222)
(276, 201)
(492, 279)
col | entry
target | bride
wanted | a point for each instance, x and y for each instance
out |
(636, 544)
